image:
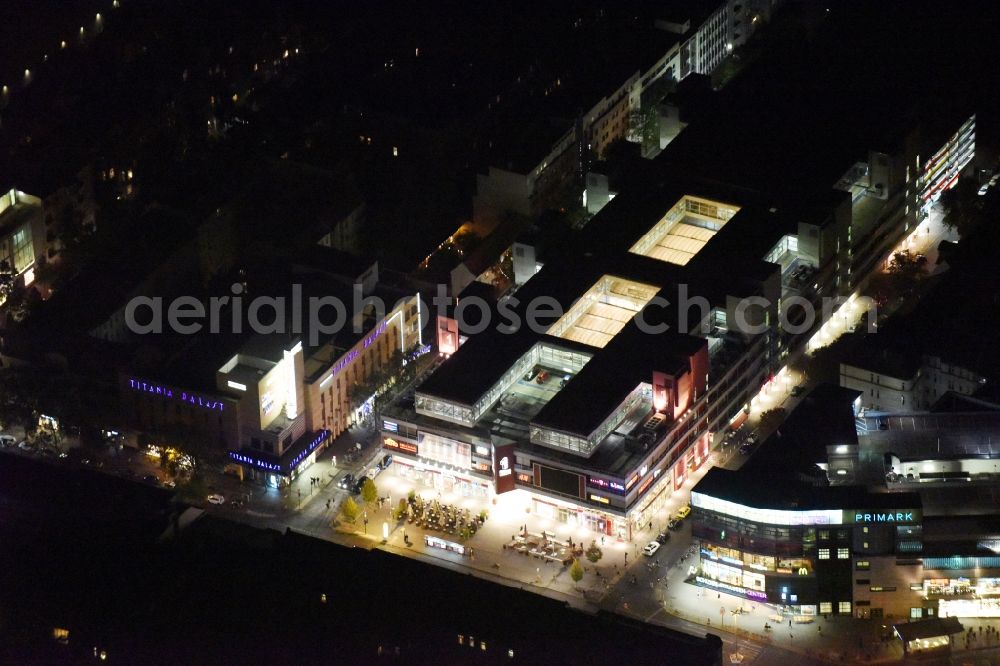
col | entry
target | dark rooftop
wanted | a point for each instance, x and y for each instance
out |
(761, 492)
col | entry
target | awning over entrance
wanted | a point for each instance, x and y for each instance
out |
(930, 634)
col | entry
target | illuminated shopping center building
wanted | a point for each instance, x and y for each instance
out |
(597, 420)
(819, 542)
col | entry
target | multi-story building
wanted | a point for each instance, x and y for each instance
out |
(273, 402)
(863, 521)
(794, 544)
(22, 233)
(592, 416)
(525, 170)
(892, 381)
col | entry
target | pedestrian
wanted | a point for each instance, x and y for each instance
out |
(626, 558)
(602, 540)
(718, 595)
(789, 623)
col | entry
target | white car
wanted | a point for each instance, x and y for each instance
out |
(216, 499)
(650, 549)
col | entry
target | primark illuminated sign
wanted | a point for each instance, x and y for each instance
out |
(907, 516)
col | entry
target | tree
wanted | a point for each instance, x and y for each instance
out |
(964, 206)
(594, 553)
(772, 418)
(350, 509)
(576, 571)
(369, 492)
(905, 270)
(402, 509)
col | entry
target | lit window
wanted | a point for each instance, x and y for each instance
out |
(862, 565)
(865, 530)
(916, 613)
(510, 653)
(844, 553)
(825, 607)
(844, 607)
(824, 553)
(866, 545)
(482, 645)
(461, 639)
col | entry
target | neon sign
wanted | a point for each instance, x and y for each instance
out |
(277, 467)
(319, 439)
(405, 447)
(885, 517)
(631, 481)
(604, 484)
(255, 462)
(753, 594)
(169, 393)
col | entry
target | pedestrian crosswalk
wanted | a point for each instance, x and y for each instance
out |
(743, 652)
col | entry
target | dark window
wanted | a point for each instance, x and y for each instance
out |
(560, 481)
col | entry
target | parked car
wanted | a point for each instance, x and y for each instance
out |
(346, 482)
(7, 441)
(373, 472)
(674, 524)
(384, 462)
(542, 377)
(745, 448)
(358, 485)
(26, 446)
(883, 424)
(684, 512)
(663, 537)
(216, 499)
(150, 478)
(531, 374)
(651, 549)
(797, 391)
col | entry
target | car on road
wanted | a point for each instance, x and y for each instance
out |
(651, 549)
(983, 189)
(150, 478)
(26, 446)
(7, 441)
(359, 484)
(663, 537)
(384, 462)
(751, 439)
(797, 391)
(216, 499)
(674, 524)
(745, 448)
(346, 482)
(684, 512)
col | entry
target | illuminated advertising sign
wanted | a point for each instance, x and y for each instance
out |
(604, 484)
(866, 517)
(751, 594)
(598, 498)
(405, 447)
(170, 394)
(631, 480)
